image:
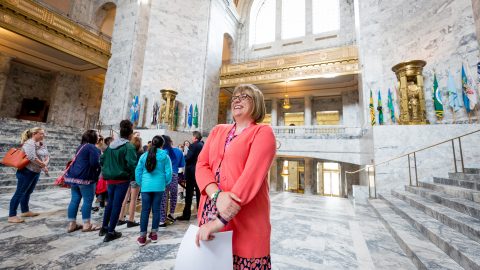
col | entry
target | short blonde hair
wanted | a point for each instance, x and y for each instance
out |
(258, 108)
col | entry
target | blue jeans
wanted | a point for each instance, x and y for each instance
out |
(27, 180)
(150, 201)
(116, 195)
(86, 192)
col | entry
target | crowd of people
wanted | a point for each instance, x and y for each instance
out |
(228, 173)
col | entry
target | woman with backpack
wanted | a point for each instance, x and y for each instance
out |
(153, 174)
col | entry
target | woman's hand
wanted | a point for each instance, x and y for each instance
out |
(227, 205)
(205, 233)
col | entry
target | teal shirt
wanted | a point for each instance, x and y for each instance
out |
(159, 178)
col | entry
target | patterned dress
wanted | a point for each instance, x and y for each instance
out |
(210, 212)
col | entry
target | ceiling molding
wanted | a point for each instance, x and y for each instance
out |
(34, 21)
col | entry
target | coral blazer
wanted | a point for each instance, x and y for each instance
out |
(244, 172)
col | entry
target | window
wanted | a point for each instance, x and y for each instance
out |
(262, 21)
(294, 119)
(326, 16)
(293, 19)
(328, 118)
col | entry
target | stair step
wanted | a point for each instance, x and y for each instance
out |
(459, 192)
(458, 246)
(9, 176)
(40, 186)
(462, 223)
(472, 170)
(424, 254)
(43, 179)
(458, 204)
(457, 182)
(465, 176)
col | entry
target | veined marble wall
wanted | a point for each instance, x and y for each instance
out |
(345, 36)
(350, 109)
(184, 53)
(476, 16)
(439, 32)
(23, 81)
(4, 70)
(392, 141)
(75, 99)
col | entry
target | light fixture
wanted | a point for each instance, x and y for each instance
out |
(286, 102)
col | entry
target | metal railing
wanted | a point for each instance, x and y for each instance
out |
(413, 155)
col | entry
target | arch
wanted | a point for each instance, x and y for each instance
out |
(105, 18)
(262, 21)
(227, 49)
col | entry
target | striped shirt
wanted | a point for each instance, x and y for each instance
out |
(35, 150)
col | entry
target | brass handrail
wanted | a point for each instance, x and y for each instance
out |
(367, 167)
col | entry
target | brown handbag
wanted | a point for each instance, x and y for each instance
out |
(15, 157)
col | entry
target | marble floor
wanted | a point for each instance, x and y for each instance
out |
(308, 232)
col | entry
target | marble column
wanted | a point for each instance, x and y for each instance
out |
(309, 183)
(273, 175)
(274, 113)
(125, 67)
(4, 69)
(308, 111)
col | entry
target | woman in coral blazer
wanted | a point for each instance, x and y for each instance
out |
(232, 174)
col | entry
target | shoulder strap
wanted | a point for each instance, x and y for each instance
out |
(75, 157)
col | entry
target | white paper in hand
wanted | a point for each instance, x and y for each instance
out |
(211, 255)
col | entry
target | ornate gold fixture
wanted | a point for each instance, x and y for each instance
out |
(317, 64)
(412, 96)
(286, 102)
(28, 18)
(167, 108)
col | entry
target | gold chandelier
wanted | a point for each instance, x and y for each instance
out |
(286, 102)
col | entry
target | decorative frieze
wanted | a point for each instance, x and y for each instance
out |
(316, 64)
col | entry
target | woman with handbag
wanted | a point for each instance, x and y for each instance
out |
(37, 153)
(82, 176)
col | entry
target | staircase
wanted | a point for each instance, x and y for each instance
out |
(61, 142)
(436, 224)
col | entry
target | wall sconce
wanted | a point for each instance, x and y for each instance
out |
(286, 102)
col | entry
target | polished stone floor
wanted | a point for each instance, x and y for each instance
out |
(308, 232)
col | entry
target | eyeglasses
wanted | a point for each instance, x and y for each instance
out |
(240, 98)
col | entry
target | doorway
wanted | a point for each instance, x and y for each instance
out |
(331, 179)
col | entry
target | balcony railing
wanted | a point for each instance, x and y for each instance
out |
(318, 131)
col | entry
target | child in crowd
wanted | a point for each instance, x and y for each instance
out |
(153, 174)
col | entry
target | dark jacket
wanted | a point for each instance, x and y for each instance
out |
(192, 155)
(86, 165)
(119, 161)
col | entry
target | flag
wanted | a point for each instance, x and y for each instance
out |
(453, 100)
(195, 116)
(390, 106)
(175, 117)
(137, 109)
(380, 108)
(190, 112)
(372, 110)
(470, 91)
(466, 100)
(437, 98)
(186, 117)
